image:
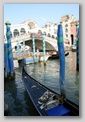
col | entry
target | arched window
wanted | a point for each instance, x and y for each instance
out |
(53, 36)
(49, 35)
(44, 32)
(46, 26)
(22, 31)
(66, 25)
(66, 35)
(39, 32)
(66, 30)
(16, 32)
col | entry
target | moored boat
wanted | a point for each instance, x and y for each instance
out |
(56, 56)
(46, 101)
(35, 59)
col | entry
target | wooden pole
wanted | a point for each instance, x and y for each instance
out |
(61, 58)
(8, 48)
(77, 59)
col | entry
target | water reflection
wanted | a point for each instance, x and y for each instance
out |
(15, 94)
(49, 76)
(17, 99)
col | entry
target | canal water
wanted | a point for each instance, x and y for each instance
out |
(16, 96)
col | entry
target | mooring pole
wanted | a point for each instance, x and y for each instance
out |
(61, 58)
(77, 44)
(10, 66)
(33, 43)
(6, 63)
(44, 49)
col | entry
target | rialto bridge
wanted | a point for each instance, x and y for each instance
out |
(24, 32)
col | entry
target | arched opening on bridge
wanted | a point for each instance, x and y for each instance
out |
(39, 45)
(16, 32)
(22, 31)
(39, 32)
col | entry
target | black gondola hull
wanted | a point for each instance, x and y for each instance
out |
(36, 90)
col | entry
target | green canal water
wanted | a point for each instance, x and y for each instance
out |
(15, 94)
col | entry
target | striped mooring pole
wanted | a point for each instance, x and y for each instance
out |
(61, 58)
(33, 44)
(9, 66)
(6, 63)
(44, 48)
(77, 56)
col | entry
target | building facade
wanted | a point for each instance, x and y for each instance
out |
(69, 24)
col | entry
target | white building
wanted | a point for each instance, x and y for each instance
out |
(51, 29)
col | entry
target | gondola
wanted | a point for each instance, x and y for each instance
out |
(46, 101)
(56, 56)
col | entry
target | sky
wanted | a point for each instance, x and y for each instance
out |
(41, 13)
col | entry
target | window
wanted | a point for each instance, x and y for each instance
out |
(49, 35)
(45, 26)
(16, 32)
(44, 32)
(53, 36)
(66, 25)
(22, 31)
(66, 35)
(66, 20)
(66, 30)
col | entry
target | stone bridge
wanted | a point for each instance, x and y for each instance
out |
(51, 43)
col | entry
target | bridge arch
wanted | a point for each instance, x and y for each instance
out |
(16, 32)
(51, 43)
(39, 45)
(22, 31)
